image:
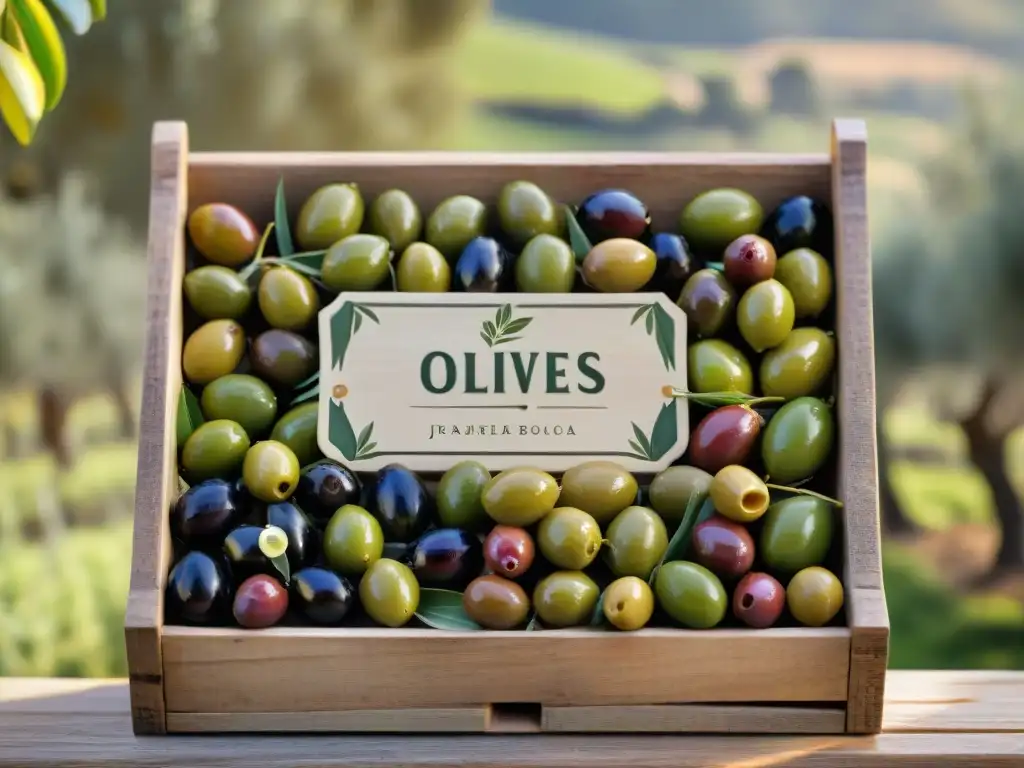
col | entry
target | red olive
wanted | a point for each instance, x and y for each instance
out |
(260, 602)
(723, 547)
(612, 213)
(508, 551)
(758, 600)
(747, 260)
(725, 436)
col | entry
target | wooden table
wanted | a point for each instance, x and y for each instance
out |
(932, 719)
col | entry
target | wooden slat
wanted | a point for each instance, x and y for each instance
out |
(156, 477)
(693, 718)
(450, 720)
(856, 444)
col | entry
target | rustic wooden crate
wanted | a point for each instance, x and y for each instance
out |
(779, 680)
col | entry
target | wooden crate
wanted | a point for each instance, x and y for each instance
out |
(779, 680)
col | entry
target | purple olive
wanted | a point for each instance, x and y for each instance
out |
(723, 547)
(749, 259)
(508, 551)
(612, 213)
(758, 600)
(261, 601)
(723, 437)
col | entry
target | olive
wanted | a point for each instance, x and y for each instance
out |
(270, 471)
(422, 269)
(714, 365)
(636, 540)
(216, 449)
(203, 514)
(483, 266)
(628, 603)
(520, 496)
(325, 487)
(243, 399)
(331, 213)
(600, 488)
(395, 216)
(800, 365)
(797, 533)
(389, 593)
(297, 430)
(213, 350)
(321, 596)
(747, 260)
(715, 218)
(303, 544)
(454, 222)
(217, 293)
(244, 554)
(675, 263)
(765, 315)
(618, 265)
(287, 299)
(725, 436)
(798, 440)
(261, 601)
(525, 211)
(670, 491)
(799, 222)
(509, 551)
(359, 262)
(613, 213)
(546, 265)
(690, 594)
(814, 596)
(496, 603)
(808, 277)
(565, 599)
(401, 503)
(758, 600)
(198, 590)
(569, 538)
(282, 358)
(445, 557)
(723, 547)
(223, 234)
(709, 302)
(739, 494)
(353, 540)
(458, 496)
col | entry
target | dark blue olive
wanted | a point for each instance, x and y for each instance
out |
(244, 556)
(612, 213)
(675, 263)
(322, 596)
(198, 591)
(401, 504)
(303, 542)
(204, 514)
(448, 558)
(324, 487)
(483, 267)
(800, 222)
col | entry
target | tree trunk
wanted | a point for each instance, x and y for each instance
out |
(893, 520)
(53, 411)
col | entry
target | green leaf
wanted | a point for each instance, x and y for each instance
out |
(577, 237)
(507, 339)
(649, 322)
(190, 415)
(394, 277)
(666, 335)
(504, 315)
(284, 232)
(518, 324)
(307, 381)
(533, 625)
(99, 9)
(310, 394)
(636, 447)
(364, 310)
(640, 313)
(310, 259)
(364, 436)
(182, 485)
(357, 323)
(486, 338)
(642, 439)
(339, 431)
(77, 14)
(22, 90)
(281, 564)
(699, 508)
(489, 329)
(665, 432)
(366, 449)
(597, 617)
(442, 609)
(44, 44)
(341, 333)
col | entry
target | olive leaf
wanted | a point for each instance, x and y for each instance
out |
(597, 617)
(285, 246)
(665, 334)
(503, 329)
(313, 379)
(641, 312)
(442, 609)
(533, 625)
(283, 567)
(650, 323)
(665, 431)
(365, 310)
(698, 508)
(645, 444)
(578, 239)
(718, 399)
(309, 394)
(189, 416)
(364, 435)
(341, 333)
(339, 431)
(253, 268)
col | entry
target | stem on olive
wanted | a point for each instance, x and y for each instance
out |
(805, 492)
(725, 398)
(718, 266)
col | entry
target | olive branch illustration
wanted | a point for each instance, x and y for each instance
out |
(504, 327)
(660, 324)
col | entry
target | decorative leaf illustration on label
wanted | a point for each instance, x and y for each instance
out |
(504, 327)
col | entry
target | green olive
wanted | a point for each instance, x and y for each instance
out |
(797, 533)
(270, 471)
(213, 350)
(459, 494)
(389, 593)
(569, 538)
(496, 603)
(765, 315)
(282, 358)
(546, 265)
(243, 399)
(357, 263)
(739, 494)
(297, 430)
(287, 299)
(690, 594)
(394, 215)
(600, 488)
(215, 449)
(565, 599)
(422, 269)
(814, 596)
(525, 211)
(798, 440)
(217, 293)
(709, 302)
(331, 213)
(714, 365)
(809, 279)
(637, 539)
(800, 365)
(519, 496)
(628, 603)
(715, 218)
(353, 540)
(619, 265)
(454, 222)
(671, 489)
(223, 234)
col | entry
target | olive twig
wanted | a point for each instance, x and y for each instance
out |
(718, 266)
(714, 399)
(255, 264)
(805, 492)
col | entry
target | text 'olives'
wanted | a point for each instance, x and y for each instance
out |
(509, 551)
(496, 603)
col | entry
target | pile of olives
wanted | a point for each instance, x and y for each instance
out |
(267, 531)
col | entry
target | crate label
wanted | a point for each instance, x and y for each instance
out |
(550, 380)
